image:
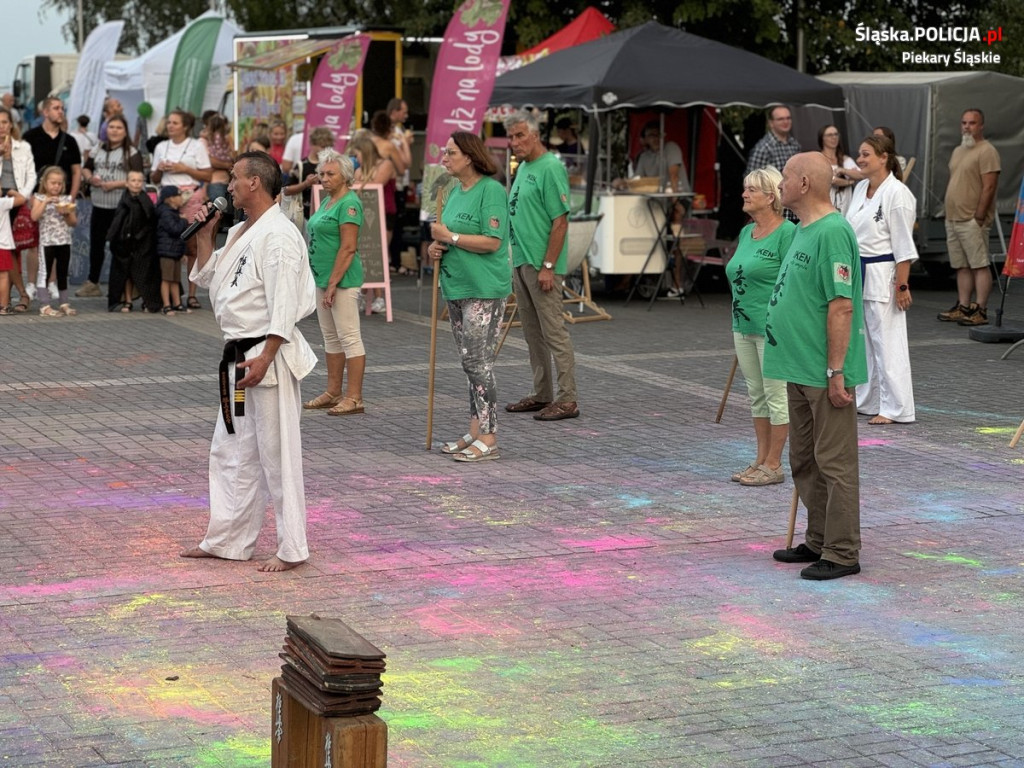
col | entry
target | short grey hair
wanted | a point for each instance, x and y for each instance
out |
(321, 137)
(344, 162)
(522, 116)
(767, 180)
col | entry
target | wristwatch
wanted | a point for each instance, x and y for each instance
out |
(902, 287)
(830, 372)
(548, 265)
(455, 238)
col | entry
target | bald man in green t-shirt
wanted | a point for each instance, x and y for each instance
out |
(814, 341)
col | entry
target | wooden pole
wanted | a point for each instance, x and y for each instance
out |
(433, 335)
(728, 386)
(792, 518)
(1017, 434)
(510, 316)
(433, 354)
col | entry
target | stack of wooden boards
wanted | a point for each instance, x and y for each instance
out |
(324, 701)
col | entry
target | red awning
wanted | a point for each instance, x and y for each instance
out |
(589, 25)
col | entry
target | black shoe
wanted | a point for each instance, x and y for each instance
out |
(801, 554)
(826, 569)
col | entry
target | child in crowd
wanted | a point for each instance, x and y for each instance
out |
(55, 212)
(11, 200)
(170, 248)
(131, 244)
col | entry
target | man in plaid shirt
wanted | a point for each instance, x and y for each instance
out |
(777, 146)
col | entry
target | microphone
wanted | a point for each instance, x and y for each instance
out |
(219, 204)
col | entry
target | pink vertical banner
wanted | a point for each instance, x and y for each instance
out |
(333, 93)
(465, 71)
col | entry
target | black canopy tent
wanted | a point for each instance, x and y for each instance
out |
(653, 65)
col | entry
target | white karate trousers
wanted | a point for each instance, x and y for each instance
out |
(262, 459)
(889, 390)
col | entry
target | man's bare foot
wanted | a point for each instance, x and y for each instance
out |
(276, 564)
(197, 552)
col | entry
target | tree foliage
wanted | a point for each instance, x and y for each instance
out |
(146, 23)
(766, 27)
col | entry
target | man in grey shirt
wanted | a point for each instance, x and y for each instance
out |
(667, 165)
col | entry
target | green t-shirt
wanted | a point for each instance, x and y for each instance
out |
(480, 210)
(540, 194)
(753, 271)
(324, 229)
(823, 263)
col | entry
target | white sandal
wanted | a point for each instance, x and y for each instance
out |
(738, 477)
(485, 452)
(450, 448)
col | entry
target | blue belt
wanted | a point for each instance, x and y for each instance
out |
(865, 260)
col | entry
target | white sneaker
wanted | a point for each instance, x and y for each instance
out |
(31, 291)
(377, 307)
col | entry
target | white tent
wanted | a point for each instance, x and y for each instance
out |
(146, 78)
(923, 109)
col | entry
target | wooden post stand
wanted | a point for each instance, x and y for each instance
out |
(323, 703)
(304, 739)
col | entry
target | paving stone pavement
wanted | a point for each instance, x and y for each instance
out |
(601, 596)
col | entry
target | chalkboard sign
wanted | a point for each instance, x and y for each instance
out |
(373, 239)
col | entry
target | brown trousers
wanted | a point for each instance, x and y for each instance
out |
(824, 461)
(546, 336)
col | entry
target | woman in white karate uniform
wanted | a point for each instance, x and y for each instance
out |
(882, 212)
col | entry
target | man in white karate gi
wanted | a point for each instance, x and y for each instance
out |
(260, 286)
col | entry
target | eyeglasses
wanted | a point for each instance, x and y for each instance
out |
(831, 134)
(450, 152)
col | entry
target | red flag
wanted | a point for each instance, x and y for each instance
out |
(1014, 266)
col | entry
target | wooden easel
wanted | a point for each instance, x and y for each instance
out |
(584, 299)
(580, 236)
(509, 321)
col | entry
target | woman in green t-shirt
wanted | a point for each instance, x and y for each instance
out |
(338, 273)
(471, 235)
(752, 272)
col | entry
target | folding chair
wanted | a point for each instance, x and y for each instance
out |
(696, 259)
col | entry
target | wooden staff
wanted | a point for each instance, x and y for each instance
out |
(792, 518)
(433, 334)
(728, 386)
(1017, 434)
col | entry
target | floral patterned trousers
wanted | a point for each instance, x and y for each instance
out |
(475, 325)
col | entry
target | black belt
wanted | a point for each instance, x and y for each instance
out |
(234, 352)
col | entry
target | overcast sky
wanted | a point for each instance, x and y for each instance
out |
(29, 33)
